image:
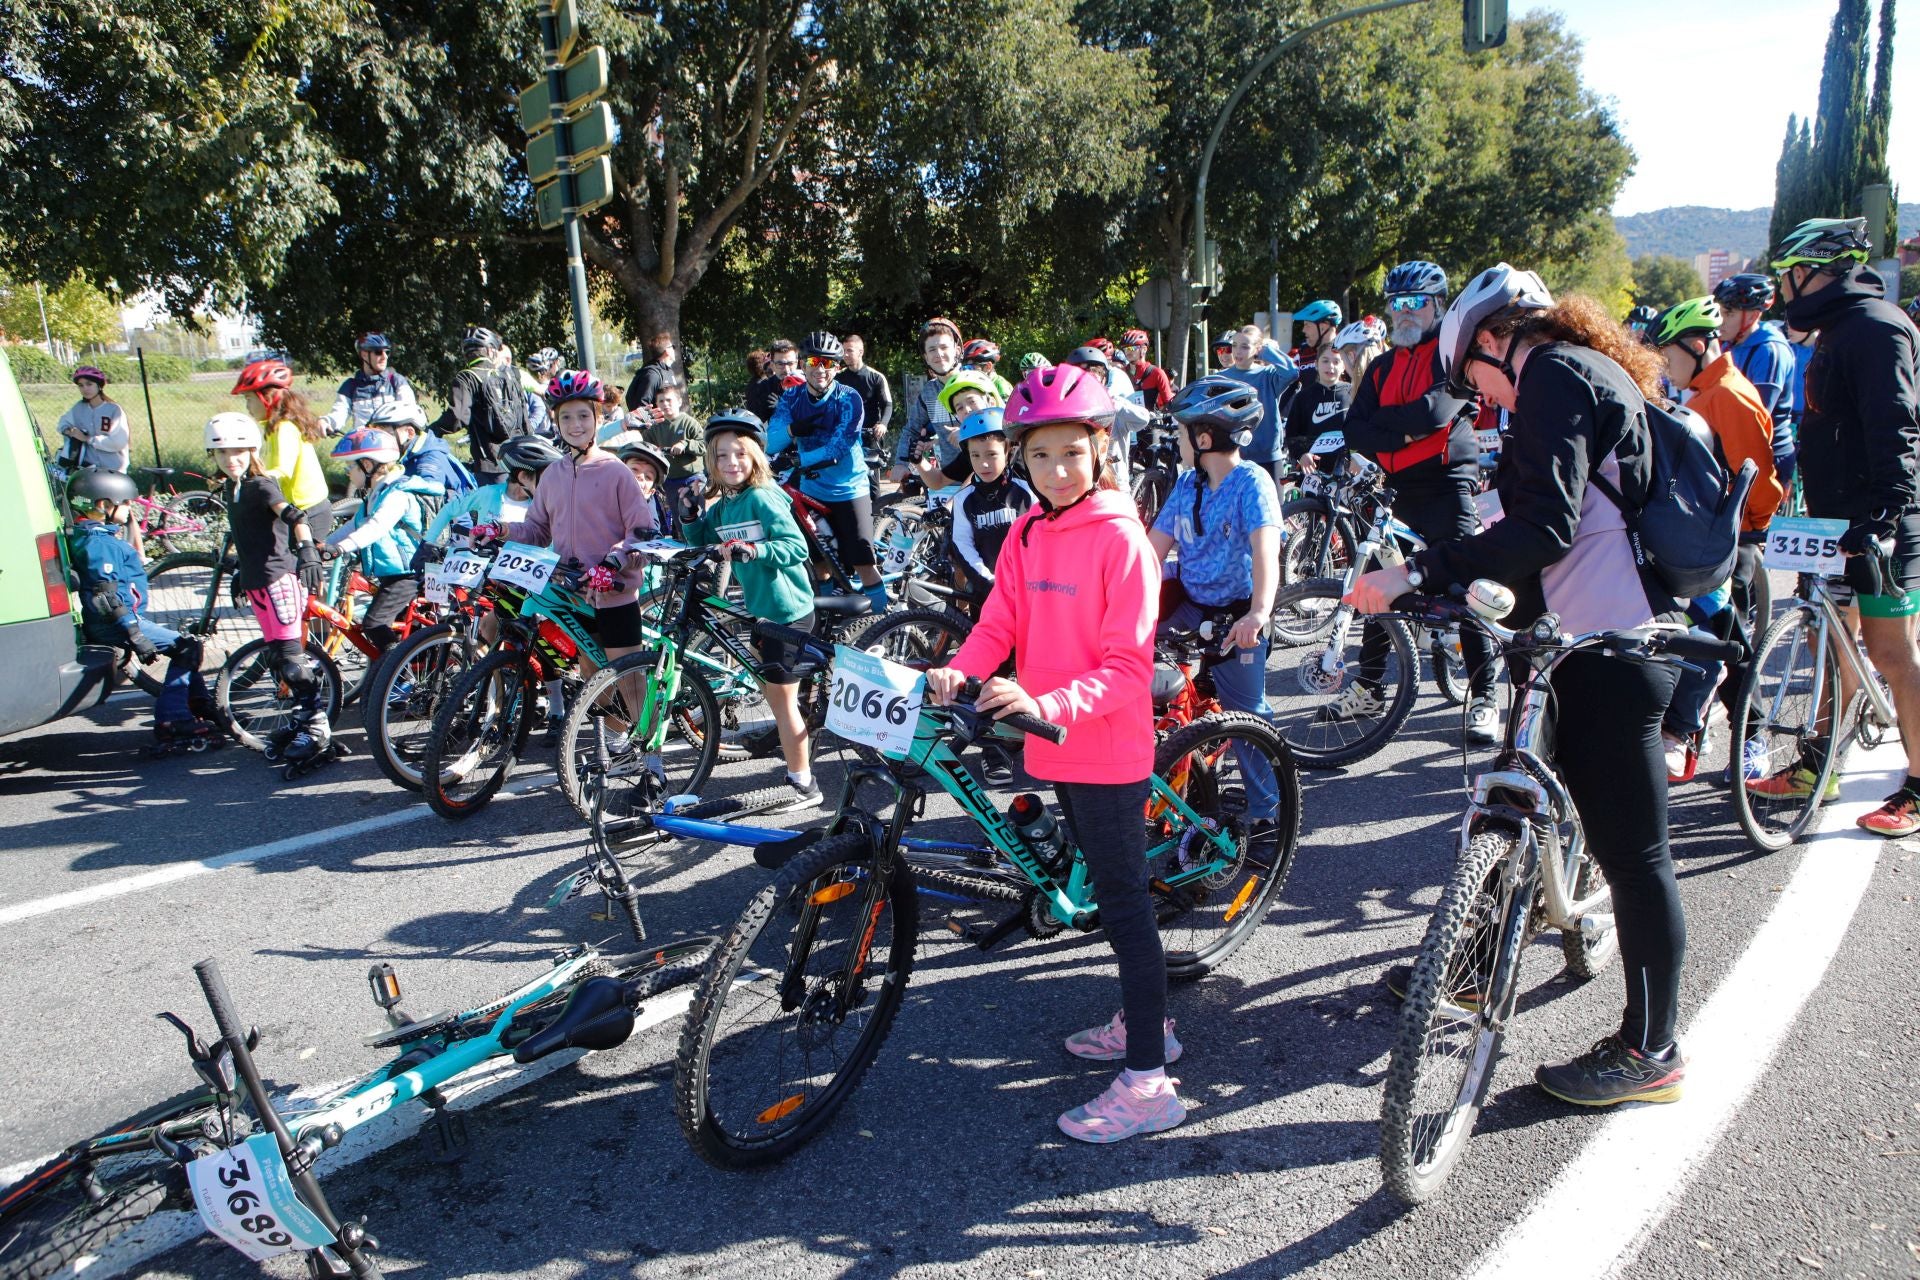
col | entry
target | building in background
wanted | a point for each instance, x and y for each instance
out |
(220, 335)
(1716, 265)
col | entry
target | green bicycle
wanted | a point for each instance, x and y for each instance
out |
(802, 991)
(243, 1158)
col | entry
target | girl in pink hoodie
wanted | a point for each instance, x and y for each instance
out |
(1074, 601)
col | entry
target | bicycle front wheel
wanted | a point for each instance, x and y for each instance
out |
(795, 1005)
(1339, 686)
(48, 1220)
(189, 593)
(1780, 749)
(402, 695)
(1315, 542)
(1207, 902)
(919, 638)
(603, 750)
(1452, 1020)
(255, 704)
(478, 734)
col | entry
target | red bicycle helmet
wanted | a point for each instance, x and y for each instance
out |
(1134, 338)
(981, 349)
(264, 378)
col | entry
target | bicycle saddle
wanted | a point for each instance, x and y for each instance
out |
(156, 471)
(842, 606)
(596, 1017)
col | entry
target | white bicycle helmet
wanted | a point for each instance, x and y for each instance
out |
(397, 413)
(1498, 289)
(232, 430)
(1357, 334)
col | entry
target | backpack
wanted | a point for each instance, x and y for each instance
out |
(1686, 532)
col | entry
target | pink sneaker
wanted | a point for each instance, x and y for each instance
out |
(1109, 1043)
(1125, 1110)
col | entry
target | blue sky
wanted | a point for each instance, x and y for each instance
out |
(1651, 55)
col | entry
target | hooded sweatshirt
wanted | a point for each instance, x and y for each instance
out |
(585, 509)
(1074, 602)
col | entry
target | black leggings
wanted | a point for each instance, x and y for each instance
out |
(1106, 821)
(1607, 717)
(1438, 514)
(390, 599)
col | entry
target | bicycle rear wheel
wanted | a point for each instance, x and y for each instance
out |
(254, 703)
(920, 638)
(478, 734)
(47, 1220)
(179, 587)
(599, 755)
(795, 1004)
(1782, 763)
(1207, 911)
(1150, 491)
(1453, 1019)
(1330, 708)
(403, 693)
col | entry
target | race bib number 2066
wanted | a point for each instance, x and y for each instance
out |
(874, 702)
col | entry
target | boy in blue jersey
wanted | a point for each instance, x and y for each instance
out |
(1763, 355)
(822, 421)
(1224, 517)
(1250, 346)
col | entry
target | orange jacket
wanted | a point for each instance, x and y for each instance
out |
(1732, 407)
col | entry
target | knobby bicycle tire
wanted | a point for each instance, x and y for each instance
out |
(1753, 731)
(511, 665)
(1287, 659)
(799, 1117)
(1415, 1159)
(177, 589)
(694, 718)
(253, 662)
(445, 649)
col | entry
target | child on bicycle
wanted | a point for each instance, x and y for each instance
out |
(822, 423)
(649, 467)
(1074, 604)
(95, 428)
(985, 509)
(278, 566)
(524, 458)
(113, 589)
(965, 394)
(386, 529)
(753, 522)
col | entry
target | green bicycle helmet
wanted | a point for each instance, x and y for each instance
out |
(1033, 360)
(1685, 320)
(1822, 242)
(967, 380)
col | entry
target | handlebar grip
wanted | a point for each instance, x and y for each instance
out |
(1705, 649)
(1054, 733)
(214, 987)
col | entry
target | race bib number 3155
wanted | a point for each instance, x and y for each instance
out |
(1803, 545)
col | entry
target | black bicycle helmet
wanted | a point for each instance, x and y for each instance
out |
(822, 343)
(738, 422)
(528, 453)
(1088, 357)
(641, 449)
(1747, 291)
(92, 487)
(1640, 317)
(478, 339)
(1227, 409)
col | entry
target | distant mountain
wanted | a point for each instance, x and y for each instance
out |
(1685, 230)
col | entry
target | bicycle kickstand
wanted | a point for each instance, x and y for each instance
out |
(449, 1129)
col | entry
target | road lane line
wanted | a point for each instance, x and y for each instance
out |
(496, 1078)
(254, 853)
(1602, 1208)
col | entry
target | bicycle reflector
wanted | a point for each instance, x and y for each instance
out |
(385, 984)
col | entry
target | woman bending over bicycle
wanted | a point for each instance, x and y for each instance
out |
(278, 566)
(752, 521)
(385, 530)
(1575, 384)
(1074, 604)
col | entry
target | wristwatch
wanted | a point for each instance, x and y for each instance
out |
(1414, 576)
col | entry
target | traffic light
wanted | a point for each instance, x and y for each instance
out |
(1484, 24)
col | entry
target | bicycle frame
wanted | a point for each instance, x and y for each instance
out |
(1818, 592)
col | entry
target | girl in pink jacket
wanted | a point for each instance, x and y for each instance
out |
(1074, 601)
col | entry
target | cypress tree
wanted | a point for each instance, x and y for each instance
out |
(1879, 123)
(1821, 173)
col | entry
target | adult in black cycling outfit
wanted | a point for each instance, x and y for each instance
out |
(1575, 381)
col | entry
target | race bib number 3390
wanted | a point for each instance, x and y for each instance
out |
(873, 702)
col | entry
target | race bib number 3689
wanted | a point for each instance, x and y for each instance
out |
(245, 1197)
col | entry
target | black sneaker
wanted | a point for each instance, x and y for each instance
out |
(1613, 1072)
(807, 797)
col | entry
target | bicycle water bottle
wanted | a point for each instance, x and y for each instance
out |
(1031, 818)
(556, 643)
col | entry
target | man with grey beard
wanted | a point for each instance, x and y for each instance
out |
(1404, 418)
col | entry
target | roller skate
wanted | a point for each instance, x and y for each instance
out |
(311, 746)
(185, 737)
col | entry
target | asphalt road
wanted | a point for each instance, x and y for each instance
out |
(946, 1161)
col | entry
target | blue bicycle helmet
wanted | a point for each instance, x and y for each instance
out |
(990, 421)
(373, 341)
(1418, 276)
(1320, 311)
(1746, 291)
(1225, 408)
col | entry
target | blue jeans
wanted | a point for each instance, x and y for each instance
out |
(1240, 679)
(184, 687)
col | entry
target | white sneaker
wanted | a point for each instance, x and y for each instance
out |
(1355, 702)
(1678, 753)
(1483, 720)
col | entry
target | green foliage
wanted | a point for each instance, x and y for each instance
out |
(77, 312)
(1659, 281)
(1823, 167)
(162, 367)
(1909, 283)
(219, 364)
(31, 364)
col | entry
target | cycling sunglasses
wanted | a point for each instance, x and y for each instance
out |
(822, 362)
(1407, 301)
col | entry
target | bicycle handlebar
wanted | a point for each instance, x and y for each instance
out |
(1054, 733)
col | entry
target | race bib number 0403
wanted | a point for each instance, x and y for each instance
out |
(245, 1197)
(529, 568)
(1800, 544)
(873, 702)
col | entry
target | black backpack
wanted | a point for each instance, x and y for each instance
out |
(1687, 531)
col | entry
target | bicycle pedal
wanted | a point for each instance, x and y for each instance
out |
(968, 930)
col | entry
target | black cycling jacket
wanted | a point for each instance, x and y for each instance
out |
(1860, 429)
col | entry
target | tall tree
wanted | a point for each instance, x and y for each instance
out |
(1660, 280)
(77, 311)
(1837, 159)
(1873, 159)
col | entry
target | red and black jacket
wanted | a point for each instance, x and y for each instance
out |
(1404, 418)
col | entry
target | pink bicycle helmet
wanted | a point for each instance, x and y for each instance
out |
(1058, 393)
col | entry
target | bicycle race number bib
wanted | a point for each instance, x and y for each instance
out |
(245, 1197)
(529, 568)
(659, 548)
(873, 702)
(1489, 441)
(1800, 544)
(1329, 442)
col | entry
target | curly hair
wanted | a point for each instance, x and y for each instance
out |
(1578, 319)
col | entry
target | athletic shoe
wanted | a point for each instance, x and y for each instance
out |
(1398, 977)
(1613, 1072)
(1794, 783)
(1483, 719)
(807, 797)
(1354, 703)
(1899, 816)
(1108, 1043)
(1680, 758)
(1125, 1110)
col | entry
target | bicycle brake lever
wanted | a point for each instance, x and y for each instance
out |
(195, 1050)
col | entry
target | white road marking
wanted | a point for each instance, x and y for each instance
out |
(253, 853)
(1603, 1207)
(490, 1080)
